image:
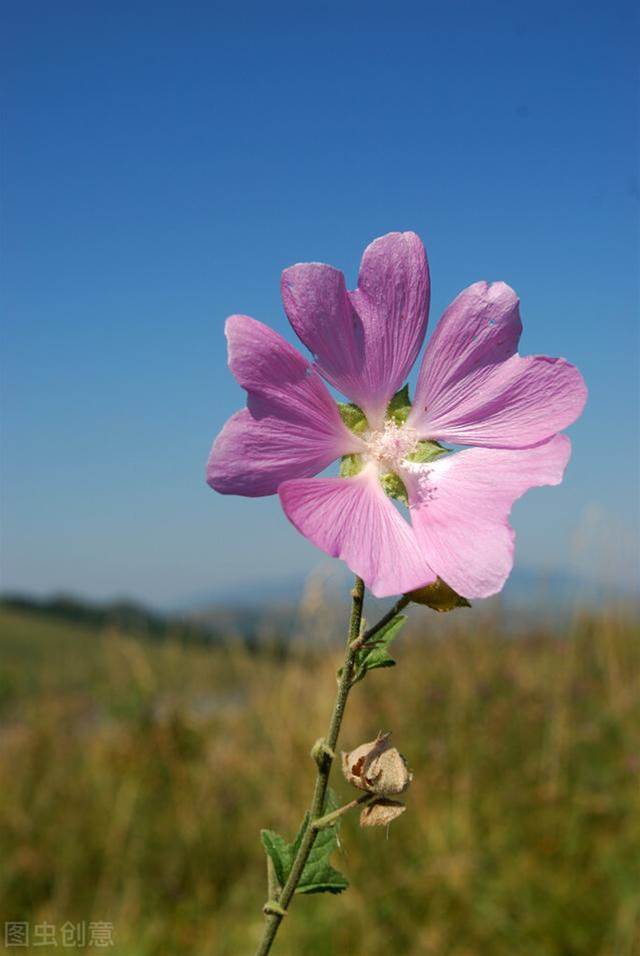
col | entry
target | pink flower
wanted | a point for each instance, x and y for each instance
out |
(473, 389)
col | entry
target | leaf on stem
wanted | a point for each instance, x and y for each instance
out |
(278, 851)
(318, 876)
(375, 653)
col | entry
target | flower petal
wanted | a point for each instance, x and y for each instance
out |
(460, 506)
(352, 519)
(291, 427)
(366, 341)
(481, 327)
(474, 390)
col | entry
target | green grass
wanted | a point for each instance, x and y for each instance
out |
(134, 778)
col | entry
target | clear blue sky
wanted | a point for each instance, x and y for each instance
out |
(163, 162)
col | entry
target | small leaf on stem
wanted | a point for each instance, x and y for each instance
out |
(318, 876)
(278, 851)
(375, 654)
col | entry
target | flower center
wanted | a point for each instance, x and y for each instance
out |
(389, 445)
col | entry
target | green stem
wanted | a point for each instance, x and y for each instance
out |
(324, 761)
(330, 818)
(325, 757)
(400, 604)
(273, 887)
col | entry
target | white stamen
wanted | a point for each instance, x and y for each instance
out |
(390, 445)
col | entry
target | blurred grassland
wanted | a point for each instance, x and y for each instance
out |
(135, 776)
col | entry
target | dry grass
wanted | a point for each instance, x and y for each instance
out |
(135, 778)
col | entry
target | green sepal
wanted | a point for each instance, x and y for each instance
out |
(318, 876)
(438, 596)
(353, 417)
(350, 465)
(427, 451)
(394, 486)
(400, 405)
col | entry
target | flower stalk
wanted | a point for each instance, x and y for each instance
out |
(324, 754)
(330, 818)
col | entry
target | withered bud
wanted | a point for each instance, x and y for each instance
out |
(381, 812)
(377, 767)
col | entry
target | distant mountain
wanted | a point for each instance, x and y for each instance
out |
(257, 593)
(274, 610)
(124, 615)
(251, 623)
(526, 588)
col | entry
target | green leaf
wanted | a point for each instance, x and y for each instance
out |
(278, 850)
(318, 876)
(376, 655)
(350, 465)
(438, 596)
(394, 486)
(400, 405)
(427, 451)
(353, 417)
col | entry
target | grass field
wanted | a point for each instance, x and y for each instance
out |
(135, 777)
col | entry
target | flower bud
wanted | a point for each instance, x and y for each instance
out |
(381, 812)
(377, 767)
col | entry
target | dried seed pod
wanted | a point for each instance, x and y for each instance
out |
(377, 767)
(381, 812)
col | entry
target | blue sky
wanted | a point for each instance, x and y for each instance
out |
(163, 162)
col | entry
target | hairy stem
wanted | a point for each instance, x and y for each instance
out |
(324, 754)
(330, 818)
(324, 761)
(384, 620)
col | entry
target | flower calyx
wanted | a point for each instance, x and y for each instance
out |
(388, 445)
(381, 812)
(438, 596)
(377, 767)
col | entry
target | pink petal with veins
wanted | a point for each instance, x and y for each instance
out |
(364, 342)
(460, 506)
(473, 389)
(291, 427)
(352, 519)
